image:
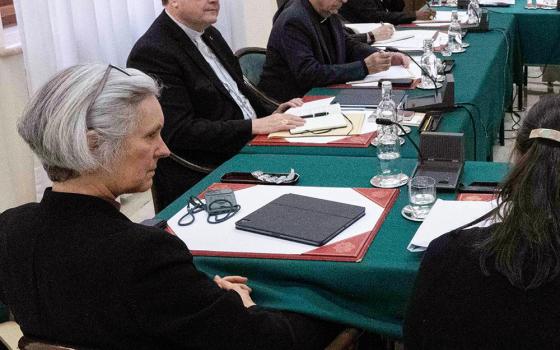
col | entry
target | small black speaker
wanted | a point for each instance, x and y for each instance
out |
(442, 146)
(444, 100)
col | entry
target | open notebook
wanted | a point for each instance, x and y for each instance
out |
(332, 120)
(395, 74)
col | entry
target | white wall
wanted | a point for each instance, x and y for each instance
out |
(258, 21)
(252, 23)
(17, 185)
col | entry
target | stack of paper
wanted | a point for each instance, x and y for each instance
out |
(497, 2)
(446, 216)
(360, 28)
(397, 36)
(415, 43)
(540, 4)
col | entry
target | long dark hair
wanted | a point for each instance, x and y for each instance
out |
(525, 247)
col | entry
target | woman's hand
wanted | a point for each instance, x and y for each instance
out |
(295, 102)
(237, 284)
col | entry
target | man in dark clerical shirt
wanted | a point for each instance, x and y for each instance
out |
(308, 48)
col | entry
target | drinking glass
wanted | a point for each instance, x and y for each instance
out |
(422, 195)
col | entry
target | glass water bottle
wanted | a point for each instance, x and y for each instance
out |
(428, 64)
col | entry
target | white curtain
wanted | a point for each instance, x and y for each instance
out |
(57, 34)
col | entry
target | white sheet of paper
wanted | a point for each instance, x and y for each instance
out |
(543, 3)
(441, 39)
(224, 237)
(311, 107)
(497, 2)
(397, 36)
(415, 121)
(446, 216)
(414, 43)
(434, 24)
(361, 28)
(414, 69)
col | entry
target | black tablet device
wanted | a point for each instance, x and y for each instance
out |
(301, 219)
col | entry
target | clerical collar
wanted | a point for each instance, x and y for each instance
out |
(318, 16)
(191, 33)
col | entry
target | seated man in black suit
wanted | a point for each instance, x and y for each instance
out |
(381, 33)
(308, 48)
(391, 11)
(209, 113)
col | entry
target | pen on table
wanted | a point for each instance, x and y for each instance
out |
(322, 114)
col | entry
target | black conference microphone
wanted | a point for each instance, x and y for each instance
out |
(387, 122)
(394, 49)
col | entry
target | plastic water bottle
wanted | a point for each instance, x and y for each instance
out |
(428, 63)
(454, 34)
(473, 11)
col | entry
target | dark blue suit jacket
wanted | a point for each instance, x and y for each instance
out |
(297, 56)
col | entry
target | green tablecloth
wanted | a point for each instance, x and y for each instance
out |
(539, 33)
(483, 76)
(371, 294)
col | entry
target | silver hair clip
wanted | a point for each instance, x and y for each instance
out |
(542, 133)
(273, 179)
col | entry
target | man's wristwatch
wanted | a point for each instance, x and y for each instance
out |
(370, 38)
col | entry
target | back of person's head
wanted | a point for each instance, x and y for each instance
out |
(60, 115)
(525, 247)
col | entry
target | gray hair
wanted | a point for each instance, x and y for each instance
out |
(56, 121)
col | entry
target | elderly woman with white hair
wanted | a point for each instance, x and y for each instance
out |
(75, 271)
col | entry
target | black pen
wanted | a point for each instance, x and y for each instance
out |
(322, 114)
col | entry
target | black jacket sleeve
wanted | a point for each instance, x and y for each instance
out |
(422, 305)
(308, 70)
(171, 300)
